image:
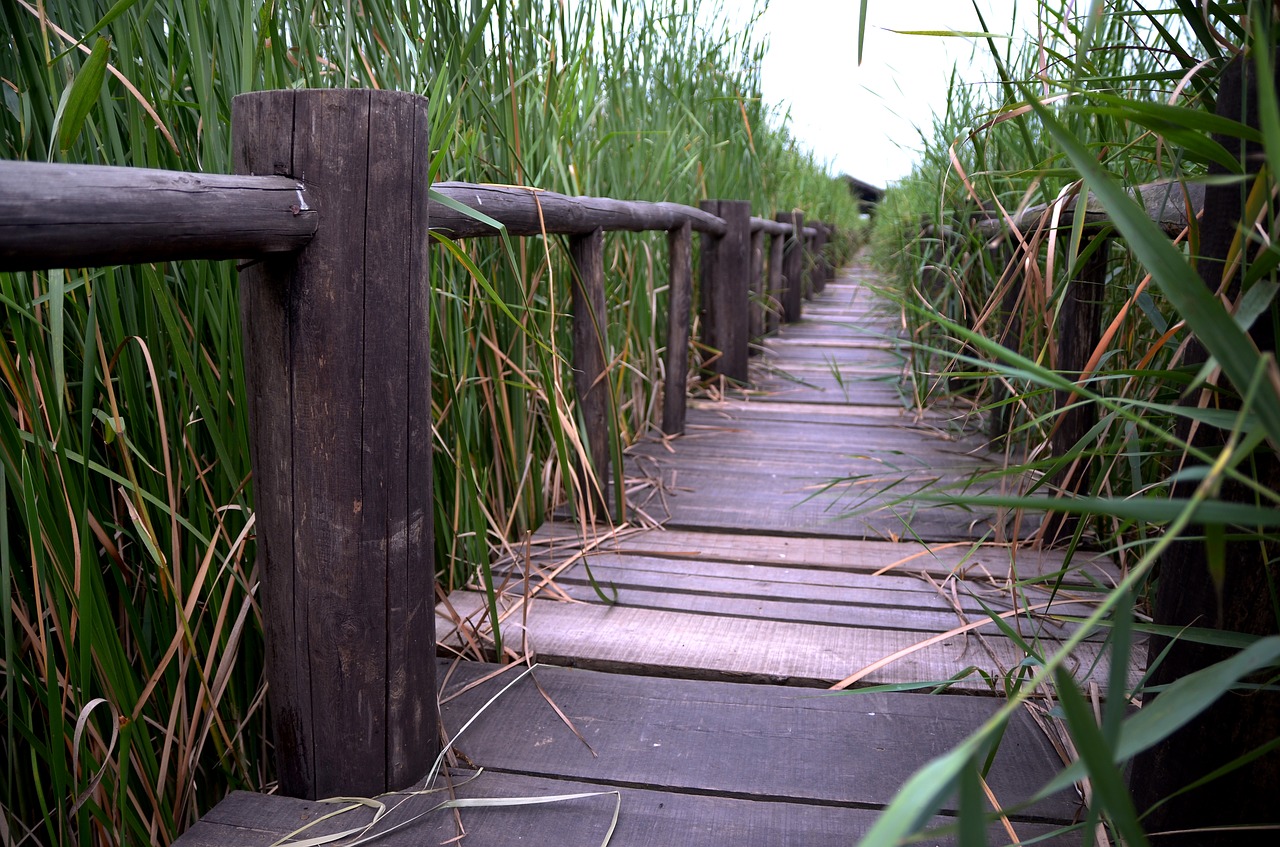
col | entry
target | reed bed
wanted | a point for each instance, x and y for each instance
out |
(133, 682)
(1102, 98)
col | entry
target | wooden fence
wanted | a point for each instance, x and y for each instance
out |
(1234, 737)
(339, 393)
(1078, 326)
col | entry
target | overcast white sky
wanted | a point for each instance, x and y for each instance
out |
(860, 119)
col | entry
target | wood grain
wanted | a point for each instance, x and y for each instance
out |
(59, 215)
(649, 816)
(735, 739)
(726, 267)
(654, 642)
(680, 302)
(341, 496)
(590, 340)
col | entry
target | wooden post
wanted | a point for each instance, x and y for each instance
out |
(1000, 255)
(1240, 722)
(821, 269)
(774, 287)
(726, 264)
(1079, 330)
(589, 341)
(758, 288)
(793, 266)
(338, 380)
(679, 297)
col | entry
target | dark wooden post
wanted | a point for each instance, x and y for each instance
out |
(759, 289)
(589, 341)
(792, 266)
(773, 288)
(338, 381)
(1000, 255)
(821, 269)
(726, 264)
(679, 298)
(832, 270)
(807, 268)
(1079, 330)
(1240, 722)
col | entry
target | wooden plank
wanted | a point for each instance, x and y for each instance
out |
(738, 739)
(590, 340)
(60, 215)
(659, 643)
(648, 817)
(860, 556)
(396, 480)
(837, 437)
(680, 298)
(894, 598)
(757, 292)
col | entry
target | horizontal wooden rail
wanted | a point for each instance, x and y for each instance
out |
(1171, 205)
(529, 211)
(1167, 203)
(67, 216)
(770, 227)
(340, 443)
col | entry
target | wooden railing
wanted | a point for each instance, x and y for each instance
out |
(1079, 323)
(339, 389)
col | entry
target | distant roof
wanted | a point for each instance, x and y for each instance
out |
(864, 191)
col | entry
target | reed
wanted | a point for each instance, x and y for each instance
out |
(1103, 97)
(133, 688)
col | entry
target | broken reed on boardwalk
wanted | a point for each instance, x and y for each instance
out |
(342, 481)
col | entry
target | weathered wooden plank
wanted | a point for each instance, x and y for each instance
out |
(590, 339)
(661, 643)
(1079, 330)
(997, 560)
(923, 610)
(739, 739)
(906, 588)
(770, 227)
(263, 142)
(353, 593)
(531, 211)
(1169, 204)
(763, 407)
(648, 817)
(680, 299)
(59, 215)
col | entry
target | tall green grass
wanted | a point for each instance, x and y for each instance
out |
(1103, 97)
(133, 689)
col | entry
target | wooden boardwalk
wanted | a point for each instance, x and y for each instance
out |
(777, 548)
